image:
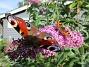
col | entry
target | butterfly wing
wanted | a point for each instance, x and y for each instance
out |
(66, 33)
(50, 45)
(18, 24)
(29, 32)
(62, 29)
(59, 24)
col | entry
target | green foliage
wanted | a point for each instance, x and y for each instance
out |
(74, 15)
(4, 60)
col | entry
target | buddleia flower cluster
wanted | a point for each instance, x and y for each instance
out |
(26, 48)
(63, 40)
(21, 49)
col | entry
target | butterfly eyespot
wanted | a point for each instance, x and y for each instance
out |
(51, 48)
(54, 48)
(28, 24)
(48, 38)
(12, 23)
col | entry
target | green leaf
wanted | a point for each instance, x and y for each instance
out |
(86, 46)
(87, 6)
(8, 65)
(85, 33)
(73, 14)
(63, 56)
(86, 25)
(87, 17)
(30, 10)
(51, 5)
(72, 5)
(34, 5)
(39, 20)
(57, 12)
(75, 51)
(87, 58)
(81, 50)
(80, 3)
(48, 64)
(71, 62)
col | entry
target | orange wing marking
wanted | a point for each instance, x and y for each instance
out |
(62, 29)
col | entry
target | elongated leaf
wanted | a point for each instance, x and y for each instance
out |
(75, 51)
(72, 5)
(86, 45)
(71, 62)
(81, 50)
(87, 6)
(64, 55)
(38, 20)
(73, 14)
(87, 58)
(51, 5)
(85, 33)
(80, 2)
